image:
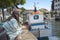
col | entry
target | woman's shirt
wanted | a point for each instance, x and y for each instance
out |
(12, 28)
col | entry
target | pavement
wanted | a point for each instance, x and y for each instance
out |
(26, 35)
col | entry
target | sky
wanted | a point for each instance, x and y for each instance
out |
(39, 4)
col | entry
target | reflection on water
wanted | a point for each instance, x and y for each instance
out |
(56, 28)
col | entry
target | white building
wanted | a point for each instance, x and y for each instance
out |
(57, 5)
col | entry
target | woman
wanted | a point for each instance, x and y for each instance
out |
(12, 25)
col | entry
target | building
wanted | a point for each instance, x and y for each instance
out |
(44, 10)
(56, 6)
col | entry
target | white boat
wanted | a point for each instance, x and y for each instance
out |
(37, 22)
(39, 27)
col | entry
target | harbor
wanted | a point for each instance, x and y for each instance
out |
(30, 20)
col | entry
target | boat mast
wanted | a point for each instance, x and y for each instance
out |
(35, 7)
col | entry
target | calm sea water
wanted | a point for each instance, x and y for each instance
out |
(55, 28)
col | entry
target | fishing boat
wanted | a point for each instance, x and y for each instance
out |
(39, 27)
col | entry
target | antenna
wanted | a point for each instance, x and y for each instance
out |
(35, 7)
(37, 4)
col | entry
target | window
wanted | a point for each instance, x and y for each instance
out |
(55, 0)
(58, 8)
(36, 17)
(55, 9)
(58, 0)
(56, 5)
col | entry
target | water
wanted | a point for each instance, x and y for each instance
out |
(56, 28)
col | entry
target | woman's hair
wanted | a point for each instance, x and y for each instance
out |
(15, 14)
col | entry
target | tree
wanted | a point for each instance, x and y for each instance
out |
(9, 3)
(55, 12)
(23, 13)
(18, 2)
(23, 9)
(4, 4)
(45, 13)
(51, 14)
